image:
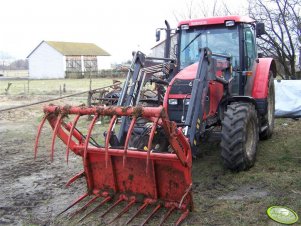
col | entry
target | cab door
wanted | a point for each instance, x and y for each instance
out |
(250, 56)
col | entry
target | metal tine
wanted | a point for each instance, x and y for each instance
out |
(58, 122)
(38, 135)
(89, 135)
(86, 165)
(125, 209)
(129, 133)
(152, 213)
(70, 135)
(94, 209)
(79, 175)
(85, 206)
(182, 217)
(138, 211)
(150, 141)
(112, 122)
(74, 203)
(121, 198)
(167, 215)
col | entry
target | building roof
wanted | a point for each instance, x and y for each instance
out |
(75, 49)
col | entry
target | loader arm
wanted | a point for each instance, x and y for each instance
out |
(194, 117)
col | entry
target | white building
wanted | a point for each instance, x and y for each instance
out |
(158, 49)
(66, 59)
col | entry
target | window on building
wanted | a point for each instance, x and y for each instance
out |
(90, 63)
(73, 63)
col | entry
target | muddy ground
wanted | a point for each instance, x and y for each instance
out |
(34, 192)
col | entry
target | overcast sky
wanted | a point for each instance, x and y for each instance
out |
(117, 26)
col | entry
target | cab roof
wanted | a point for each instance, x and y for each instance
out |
(216, 20)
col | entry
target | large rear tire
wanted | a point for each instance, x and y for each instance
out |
(268, 119)
(239, 136)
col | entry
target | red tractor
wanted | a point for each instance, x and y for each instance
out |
(164, 109)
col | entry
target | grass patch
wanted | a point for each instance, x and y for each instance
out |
(42, 87)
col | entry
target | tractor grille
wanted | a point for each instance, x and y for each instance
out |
(181, 86)
(175, 112)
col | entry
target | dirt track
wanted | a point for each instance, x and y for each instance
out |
(34, 192)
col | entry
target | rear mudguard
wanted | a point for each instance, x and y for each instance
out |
(261, 79)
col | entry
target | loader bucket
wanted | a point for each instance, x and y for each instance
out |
(125, 174)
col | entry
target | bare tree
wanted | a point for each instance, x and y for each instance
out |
(282, 20)
(204, 8)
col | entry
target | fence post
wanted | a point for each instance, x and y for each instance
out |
(90, 87)
(28, 86)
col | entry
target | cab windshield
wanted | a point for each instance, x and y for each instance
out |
(221, 40)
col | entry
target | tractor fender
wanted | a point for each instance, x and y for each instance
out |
(228, 100)
(261, 80)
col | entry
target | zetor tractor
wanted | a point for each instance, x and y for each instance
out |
(165, 107)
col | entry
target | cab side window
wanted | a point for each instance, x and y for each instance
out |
(250, 48)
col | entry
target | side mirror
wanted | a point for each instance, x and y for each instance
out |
(260, 55)
(158, 33)
(260, 29)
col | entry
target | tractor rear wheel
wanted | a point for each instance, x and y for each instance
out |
(239, 136)
(268, 119)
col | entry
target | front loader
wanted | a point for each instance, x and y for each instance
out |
(164, 109)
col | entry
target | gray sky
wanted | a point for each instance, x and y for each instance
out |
(117, 26)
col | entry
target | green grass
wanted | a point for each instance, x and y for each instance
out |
(45, 87)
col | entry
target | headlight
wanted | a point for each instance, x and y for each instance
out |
(186, 101)
(172, 101)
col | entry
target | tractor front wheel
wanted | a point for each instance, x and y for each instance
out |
(240, 136)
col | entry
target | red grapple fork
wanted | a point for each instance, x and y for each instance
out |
(135, 176)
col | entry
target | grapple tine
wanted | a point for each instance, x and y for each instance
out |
(149, 145)
(125, 209)
(112, 122)
(84, 207)
(141, 208)
(70, 135)
(38, 135)
(167, 215)
(93, 210)
(128, 136)
(86, 165)
(91, 126)
(55, 130)
(121, 198)
(74, 203)
(151, 214)
(182, 217)
(79, 175)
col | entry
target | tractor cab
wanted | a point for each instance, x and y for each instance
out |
(232, 37)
